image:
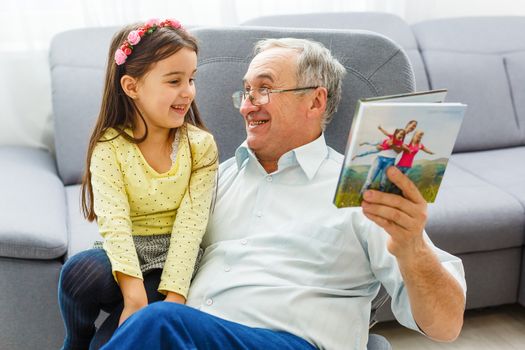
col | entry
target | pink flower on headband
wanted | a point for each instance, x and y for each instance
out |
(120, 57)
(134, 37)
(173, 23)
(152, 22)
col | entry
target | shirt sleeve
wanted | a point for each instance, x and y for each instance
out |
(192, 218)
(112, 209)
(385, 268)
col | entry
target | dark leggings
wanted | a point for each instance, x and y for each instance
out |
(85, 287)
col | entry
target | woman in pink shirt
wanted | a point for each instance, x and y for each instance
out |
(409, 152)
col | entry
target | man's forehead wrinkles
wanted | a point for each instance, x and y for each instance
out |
(260, 76)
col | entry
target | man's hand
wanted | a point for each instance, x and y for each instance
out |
(404, 218)
(436, 298)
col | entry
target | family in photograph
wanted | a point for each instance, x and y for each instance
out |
(387, 152)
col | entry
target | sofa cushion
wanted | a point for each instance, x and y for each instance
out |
(472, 215)
(32, 205)
(481, 82)
(480, 61)
(76, 105)
(82, 233)
(503, 168)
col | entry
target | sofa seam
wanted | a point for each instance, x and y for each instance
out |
(511, 92)
(362, 77)
(222, 59)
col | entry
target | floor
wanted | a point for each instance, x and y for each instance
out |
(500, 328)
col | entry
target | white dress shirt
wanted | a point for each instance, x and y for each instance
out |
(280, 255)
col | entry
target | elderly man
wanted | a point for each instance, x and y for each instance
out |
(283, 268)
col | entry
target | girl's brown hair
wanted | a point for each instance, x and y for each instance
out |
(397, 131)
(118, 111)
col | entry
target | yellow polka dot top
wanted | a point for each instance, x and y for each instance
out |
(131, 198)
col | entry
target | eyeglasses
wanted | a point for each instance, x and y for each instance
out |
(261, 96)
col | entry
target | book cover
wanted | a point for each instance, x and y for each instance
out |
(414, 132)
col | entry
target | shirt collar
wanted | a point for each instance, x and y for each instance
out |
(309, 157)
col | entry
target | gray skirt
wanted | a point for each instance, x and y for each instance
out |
(152, 251)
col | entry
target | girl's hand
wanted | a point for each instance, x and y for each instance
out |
(173, 297)
(133, 293)
(128, 311)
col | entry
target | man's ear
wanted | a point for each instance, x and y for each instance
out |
(318, 103)
(129, 85)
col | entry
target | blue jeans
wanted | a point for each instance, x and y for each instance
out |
(378, 169)
(174, 326)
(85, 287)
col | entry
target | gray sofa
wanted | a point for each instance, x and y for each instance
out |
(479, 212)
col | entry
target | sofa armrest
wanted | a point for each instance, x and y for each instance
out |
(33, 205)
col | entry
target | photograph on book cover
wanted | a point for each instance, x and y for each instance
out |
(416, 138)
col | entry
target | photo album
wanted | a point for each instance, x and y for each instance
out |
(414, 132)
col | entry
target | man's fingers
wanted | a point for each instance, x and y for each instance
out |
(390, 200)
(410, 191)
(390, 227)
(390, 214)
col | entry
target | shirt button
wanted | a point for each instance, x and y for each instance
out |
(244, 241)
(209, 302)
(258, 214)
(227, 268)
(269, 178)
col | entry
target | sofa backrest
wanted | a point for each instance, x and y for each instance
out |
(386, 24)
(376, 66)
(482, 63)
(77, 60)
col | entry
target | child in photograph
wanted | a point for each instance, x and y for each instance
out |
(384, 159)
(395, 139)
(149, 181)
(407, 157)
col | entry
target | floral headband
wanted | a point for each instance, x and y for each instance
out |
(134, 37)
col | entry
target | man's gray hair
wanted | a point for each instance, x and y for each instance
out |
(315, 67)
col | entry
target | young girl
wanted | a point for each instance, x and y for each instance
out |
(149, 181)
(395, 139)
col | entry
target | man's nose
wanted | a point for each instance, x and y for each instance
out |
(247, 106)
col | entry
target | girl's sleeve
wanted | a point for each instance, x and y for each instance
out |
(192, 218)
(112, 209)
